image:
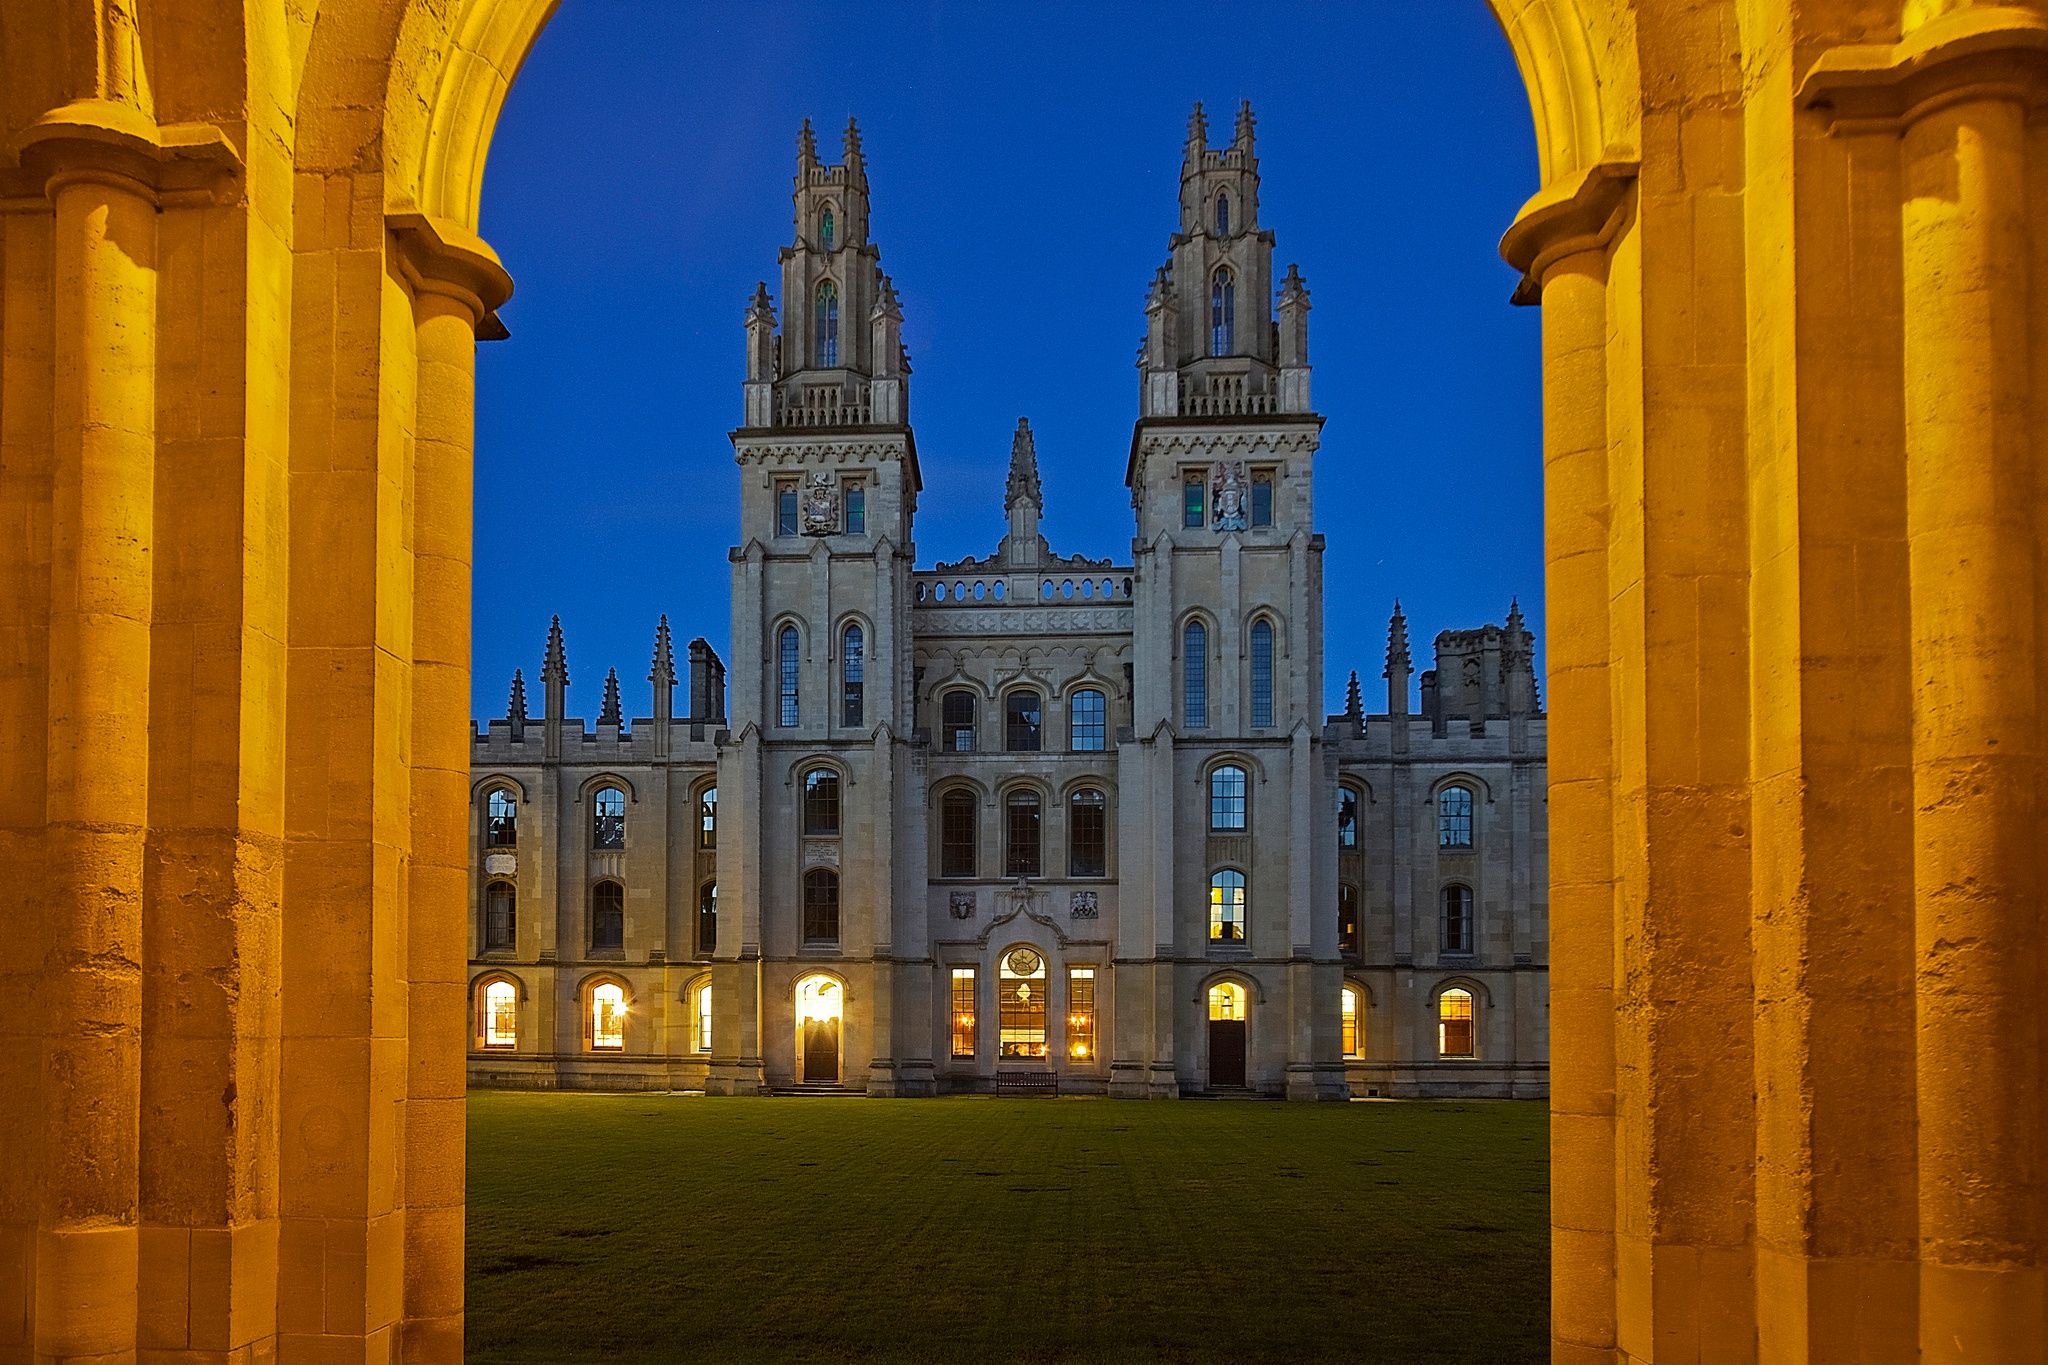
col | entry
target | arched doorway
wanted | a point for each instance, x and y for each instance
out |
(1228, 1035)
(820, 1015)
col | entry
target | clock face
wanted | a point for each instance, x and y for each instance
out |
(1024, 962)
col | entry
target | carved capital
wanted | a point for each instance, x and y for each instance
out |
(1985, 52)
(111, 142)
(1563, 219)
(439, 256)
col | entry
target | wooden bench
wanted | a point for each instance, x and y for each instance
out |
(1027, 1083)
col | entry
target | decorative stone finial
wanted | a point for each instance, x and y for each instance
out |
(1398, 660)
(612, 713)
(1198, 135)
(852, 143)
(515, 707)
(1354, 700)
(761, 308)
(1245, 123)
(555, 666)
(1023, 483)
(664, 673)
(806, 148)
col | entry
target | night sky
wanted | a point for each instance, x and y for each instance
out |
(1023, 164)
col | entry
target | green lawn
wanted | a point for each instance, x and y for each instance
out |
(654, 1227)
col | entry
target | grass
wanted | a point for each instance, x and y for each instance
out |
(670, 1228)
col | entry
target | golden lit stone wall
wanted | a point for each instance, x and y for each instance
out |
(1791, 257)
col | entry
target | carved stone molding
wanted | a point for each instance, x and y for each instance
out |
(961, 904)
(1583, 213)
(1989, 52)
(101, 139)
(1021, 620)
(1085, 906)
(821, 853)
(439, 256)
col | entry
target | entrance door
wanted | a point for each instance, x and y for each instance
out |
(821, 1050)
(1226, 1034)
(820, 1005)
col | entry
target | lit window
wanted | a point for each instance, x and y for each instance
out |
(500, 917)
(1262, 497)
(956, 722)
(959, 833)
(1088, 721)
(828, 325)
(1087, 834)
(1454, 818)
(1262, 672)
(501, 820)
(1226, 907)
(1022, 713)
(1347, 817)
(1222, 311)
(821, 906)
(789, 668)
(853, 676)
(855, 500)
(707, 919)
(1457, 919)
(1020, 1013)
(1194, 497)
(1351, 1048)
(703, 1038)
(1194, 668)
(608, 1018)
(607, 917)
(1226, 1002)
(1222, 214)
(825, 226)
(785, 507)
(608, 819)
(1081, 1013)
(707, 818)
(1347, 919)
(1454, 1023)
(1227, 799)
(821, 802)
(501, 1014)
(963, 1011)
(1020, 848)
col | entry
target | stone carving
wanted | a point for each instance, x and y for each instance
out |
(501, 864)
(821, 504)
(821, 853)
(962, 905)
(1024, 621)
(1229, 484)
(1084, 906)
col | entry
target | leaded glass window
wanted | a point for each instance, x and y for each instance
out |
(1087, 834)
(1227, 906)
(501, 820)
(821, 802)
(959, 833)
(1194, 669)
(828, 325)
(1228, 799)
(1023, 823)
(608, 819)
(607, 917)
(1023, 712)
(1088, 721)
(1262, 672)
(852, 675)
(788, 671)
(1454, 818)
(821, 906)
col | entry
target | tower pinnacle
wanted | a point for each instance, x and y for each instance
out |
(1022, 499)
(611, 714)
(554, 666)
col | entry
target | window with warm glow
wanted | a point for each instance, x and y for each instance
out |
(501, 820)
(608, 1018)
(1226, 1001)
(1226, 907)
(1350, 1022)
(707, 818)
(501, 1014)
(963, 1011)
(703, 1038)
(1081, 1014)
(1454, 1023)
(1021, 1004)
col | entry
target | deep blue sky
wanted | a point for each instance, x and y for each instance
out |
(1023, 163)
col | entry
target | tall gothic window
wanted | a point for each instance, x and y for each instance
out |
(787, 670)
(1222, 311)
(1222, 214)
(821, 802)
(1347, 817)
(608, 819)
(1087, 834)
(707, 919)
(852, 675)
(501, 820)
(1262, 497)
(1228, 799)
(1454, 1023)
(854, 497)
(828, 325)
(1194, 672)
(707, 818)
(501, 920)
(825, 226)
(1457, 919)
(821, 906)
(1350, 1020)
(1022, 713)
(702, 1028)
(607, 917)
(963, 1011)
(1226, 906)
(1022, 822)
(1454, 818)
(785, 508)
(1194, 500)
(1262, 672)
(1088, 721)
(499, 1021)
(956, 722)
(959, 833)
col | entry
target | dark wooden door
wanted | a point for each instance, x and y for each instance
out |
(821, 1050)
(1226, 1052)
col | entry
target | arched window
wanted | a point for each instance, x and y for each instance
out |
(1227, 906)
(1020, 1004)
(1022, 825)
(707, 818)
(852, 676)
(1087, 834)
(607, 1017)
(700, 1033)
(1454, 1023)
(498, 1014)
(1347, 919)
(1222, 214)
(825, 227)
(1226, 1002)
(1222, 310)
(1262, 672)
(501, 820)
(789, 668)
(1347, 817)
(607, 917)
(501, 917)
(828, 325)
(1194, 673)
(1457, 919)
(1023, 712)
(956, 722)
(821, 802)
(608, 818)
(707, 919)
(959, 833)
(821, 906)
(1454, 818)
(1350, 1022)
(1228, 800)
(1088, 721)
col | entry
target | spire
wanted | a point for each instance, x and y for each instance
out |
(761, 308)
(515, 707)
(554, 676)
(1517, 627)
(1354, 700)
(1245, 123)
(1397, 643)
(1198, 139)
(806, 150)
(1023, 469)
(851, 146)
(1399, 667)
(664, 656)
(555, 666)
(611, 714)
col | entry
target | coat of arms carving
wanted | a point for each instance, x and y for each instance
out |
(1084, 906)
(821, 504)
(1229, 483)
(962, 905)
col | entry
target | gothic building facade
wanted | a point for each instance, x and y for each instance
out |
(1032, 821)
